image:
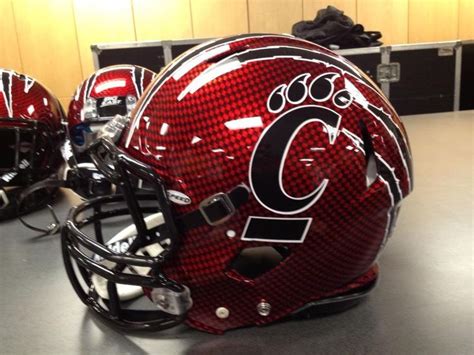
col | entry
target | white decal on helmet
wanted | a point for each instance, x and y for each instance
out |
(178, 197)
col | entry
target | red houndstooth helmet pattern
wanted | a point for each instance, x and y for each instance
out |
(283, 167)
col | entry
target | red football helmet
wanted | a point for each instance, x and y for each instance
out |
(107, 92)
(30, 138)
(278, 170)
(110, 91)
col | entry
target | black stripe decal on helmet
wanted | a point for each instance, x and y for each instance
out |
(386, 119)
(6, 90)
(136, 76)
(88, 87)
(308, 54)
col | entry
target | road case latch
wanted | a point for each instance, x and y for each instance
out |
(388, 73)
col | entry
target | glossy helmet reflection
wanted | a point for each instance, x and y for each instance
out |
(30, 138)
(278, 169)
(109, 91)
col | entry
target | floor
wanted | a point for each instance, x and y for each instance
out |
(423, 303)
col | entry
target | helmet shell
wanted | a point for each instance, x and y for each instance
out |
(324, 154)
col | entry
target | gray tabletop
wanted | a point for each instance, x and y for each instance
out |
(423, 303)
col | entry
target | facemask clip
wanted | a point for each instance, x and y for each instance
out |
(176, 303)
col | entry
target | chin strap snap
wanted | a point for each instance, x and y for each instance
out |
(169, 301)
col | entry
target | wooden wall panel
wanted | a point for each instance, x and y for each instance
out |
(162, 19)
(274, 16)
(215, 18)
(311, 7)
(9, 51)
(101, 21)
(432, 20)
(65, 101)
(466, 19)
(50, 39)
(389, 17)
(48, 44)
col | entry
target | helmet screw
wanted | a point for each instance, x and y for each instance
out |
(231, 233)
(162, 301)
(264, 308)
(222, 313)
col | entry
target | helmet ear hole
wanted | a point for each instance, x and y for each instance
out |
(254, 262)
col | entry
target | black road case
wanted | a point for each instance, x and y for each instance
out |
(153, 55)
(417, 78)
(467, 76)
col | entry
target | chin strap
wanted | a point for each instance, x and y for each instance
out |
(215, 209)
(72, 182)
(41, 187)
(13, 205)
(212, 211)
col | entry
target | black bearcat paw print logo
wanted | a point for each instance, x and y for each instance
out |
(304, 95)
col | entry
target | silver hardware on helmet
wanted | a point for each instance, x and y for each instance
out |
(172, 302)
(114, 128)
(264, 308)
(222, 313)
(130, 101)
(90, 109)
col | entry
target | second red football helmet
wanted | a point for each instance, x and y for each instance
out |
(109, 91)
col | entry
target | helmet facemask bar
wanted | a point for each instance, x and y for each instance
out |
(20, 128)
(155, 283)
(28, 160)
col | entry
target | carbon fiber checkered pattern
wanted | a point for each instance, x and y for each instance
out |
(21, 96)
(198, 125)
